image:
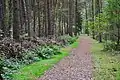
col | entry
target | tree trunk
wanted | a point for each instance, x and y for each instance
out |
(100, 37)
(93, 19)
(118, 39)
(16, 25)
(70, 22)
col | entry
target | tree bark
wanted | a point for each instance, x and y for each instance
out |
(16, 25)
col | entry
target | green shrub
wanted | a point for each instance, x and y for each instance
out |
(1, 67)
(111, 46)
(56, 49)
(30, 57)
(67, 40)
(8, 66)
(46, 52)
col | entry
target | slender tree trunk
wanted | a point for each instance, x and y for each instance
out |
(10, 18)
(39, 18)
(118, 39)
(34, 18)
(70, 22)
(1, 13)
(46, 3)
(93, 19)
(86, 14)
(16, 25)
(99, 11)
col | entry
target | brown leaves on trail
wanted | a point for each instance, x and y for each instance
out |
(77, 66)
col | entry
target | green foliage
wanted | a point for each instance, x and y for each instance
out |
(1, 66)
(37, 69)
(113, 10)
(100, 24)
(67, 40)
(8, 66)
(30, 57)
(106, 65)
(46, 52)
(56, 49)
(111, 46)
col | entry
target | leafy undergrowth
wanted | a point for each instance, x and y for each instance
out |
(107, 66)
(15, 55)
(35, 70)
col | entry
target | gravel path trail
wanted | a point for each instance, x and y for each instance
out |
(77, 66)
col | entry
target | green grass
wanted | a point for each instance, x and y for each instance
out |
(35, 70)
(75, 44)
(106, 65)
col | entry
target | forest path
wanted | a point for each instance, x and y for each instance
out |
(77, 66)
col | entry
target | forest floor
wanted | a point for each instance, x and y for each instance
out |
(106, 63)
(77, 66)
(88, 61)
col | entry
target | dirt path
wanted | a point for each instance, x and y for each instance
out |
(77, 66)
